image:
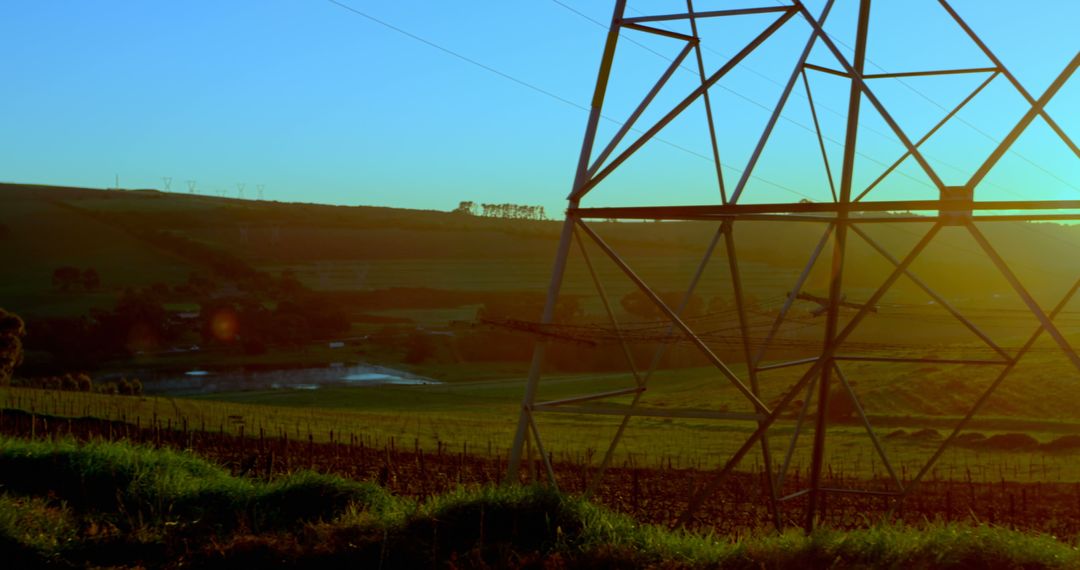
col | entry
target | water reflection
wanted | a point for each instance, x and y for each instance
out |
(204, 381)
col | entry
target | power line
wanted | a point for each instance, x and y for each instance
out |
(839, 113)
(534, 87)
(958, 118)
(571, 103)
(453, 53)
(826, 107)
(966, 123)
(746, 98)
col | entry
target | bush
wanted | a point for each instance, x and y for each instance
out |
(12, 331)
(84, 383)
(69, 384)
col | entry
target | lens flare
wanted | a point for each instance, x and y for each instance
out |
(225, 325)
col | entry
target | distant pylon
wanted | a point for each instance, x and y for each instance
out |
(259, 189)
(191, 186)
(168, 182)
(240, 190)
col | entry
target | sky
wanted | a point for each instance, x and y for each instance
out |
(318, 102)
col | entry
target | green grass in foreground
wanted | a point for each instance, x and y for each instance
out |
(120, 505)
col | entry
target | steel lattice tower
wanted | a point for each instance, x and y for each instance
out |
(840, 220)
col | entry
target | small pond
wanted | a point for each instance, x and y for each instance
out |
(209, 380)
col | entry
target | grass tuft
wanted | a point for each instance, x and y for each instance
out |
(124, 505)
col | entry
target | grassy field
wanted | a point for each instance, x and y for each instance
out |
(481, 415)
(369, 249)
(175, 510)
(358, 258)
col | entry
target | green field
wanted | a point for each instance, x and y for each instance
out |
(481, 415)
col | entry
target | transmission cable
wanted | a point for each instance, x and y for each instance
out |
(536, 88)
(829, 108)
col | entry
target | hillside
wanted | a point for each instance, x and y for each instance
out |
(378, 273)
(349, 248)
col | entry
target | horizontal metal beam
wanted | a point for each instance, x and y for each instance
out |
(828, 70)
(590, 397)
(865, 219)
(794, 495)
(836, 491)
(986, 218)
(650, 412)
(869, 219)
(851, 358)
(715, 210)
(787, 364)
(928, 73)
(708, 14)
(660, 32)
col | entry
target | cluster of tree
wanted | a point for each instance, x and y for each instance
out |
(67, 382)
(67, 278)
(121, 387)
(255, 327)
(81, 382)
(138, 322)
(505, 211)
(12, 331)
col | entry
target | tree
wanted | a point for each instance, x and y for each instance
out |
(68, 383)
(12, 330)
(90, 279)
(508, 211)
(466, 207)
(137, 323)
(66, 277)
(84, 382)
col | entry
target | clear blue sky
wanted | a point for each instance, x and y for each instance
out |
(321, 104)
